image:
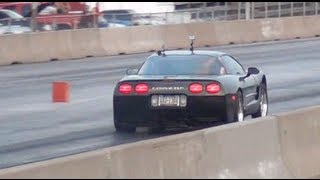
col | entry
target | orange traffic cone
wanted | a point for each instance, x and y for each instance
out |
(61, 92)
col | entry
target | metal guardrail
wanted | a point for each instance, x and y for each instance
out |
(229, 11)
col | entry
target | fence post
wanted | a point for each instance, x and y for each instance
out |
(239, 10)
(198, 14)
(181, 17)
(252, 10)
(279, 9)
(304, 8)
(213, 17)
(114, 18)
(166, 18)
(316, 8)
(95, 20)
(248, 11)
(291, 5)
(266, 10)
(54, 24)
(33, 16)
(226, 11)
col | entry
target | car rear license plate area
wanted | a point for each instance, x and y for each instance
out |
(168, 100)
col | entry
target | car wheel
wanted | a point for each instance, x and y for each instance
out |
(236, 113)
(240, 113)
(263, 105)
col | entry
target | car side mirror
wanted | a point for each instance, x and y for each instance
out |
(132, 71)
(251, 70)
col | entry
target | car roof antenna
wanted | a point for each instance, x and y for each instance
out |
(192, 38)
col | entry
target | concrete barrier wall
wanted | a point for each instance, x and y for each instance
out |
(300, 140)
(246, 150)
(131, 40)
(282, 146)
(40, 47)
(45, 46)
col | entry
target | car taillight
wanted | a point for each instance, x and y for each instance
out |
(196, 88)
(125, 88)
(142, 88)
(213, 88)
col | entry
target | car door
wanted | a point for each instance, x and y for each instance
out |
(248, 85)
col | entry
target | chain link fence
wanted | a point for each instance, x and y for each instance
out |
(227, 11)
(47, 23)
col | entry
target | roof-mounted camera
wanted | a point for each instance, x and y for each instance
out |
(162, 52)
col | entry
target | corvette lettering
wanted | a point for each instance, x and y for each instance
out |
(167, 88)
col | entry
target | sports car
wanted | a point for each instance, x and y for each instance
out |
(181, 88)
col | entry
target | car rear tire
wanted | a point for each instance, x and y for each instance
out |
(263, 104)
(240, 112)
(236, 114)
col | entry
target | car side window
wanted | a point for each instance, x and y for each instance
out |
(232, 66)
(3, 15)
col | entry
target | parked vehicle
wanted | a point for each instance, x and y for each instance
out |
(8, 17)
(125, 17)
(77, 16)
(14, 29)
(103, 23)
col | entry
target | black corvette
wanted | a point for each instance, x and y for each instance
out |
(188, 88)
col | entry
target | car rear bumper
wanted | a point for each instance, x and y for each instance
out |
(137, 110)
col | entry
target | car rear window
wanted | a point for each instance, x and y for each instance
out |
(181, 65)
